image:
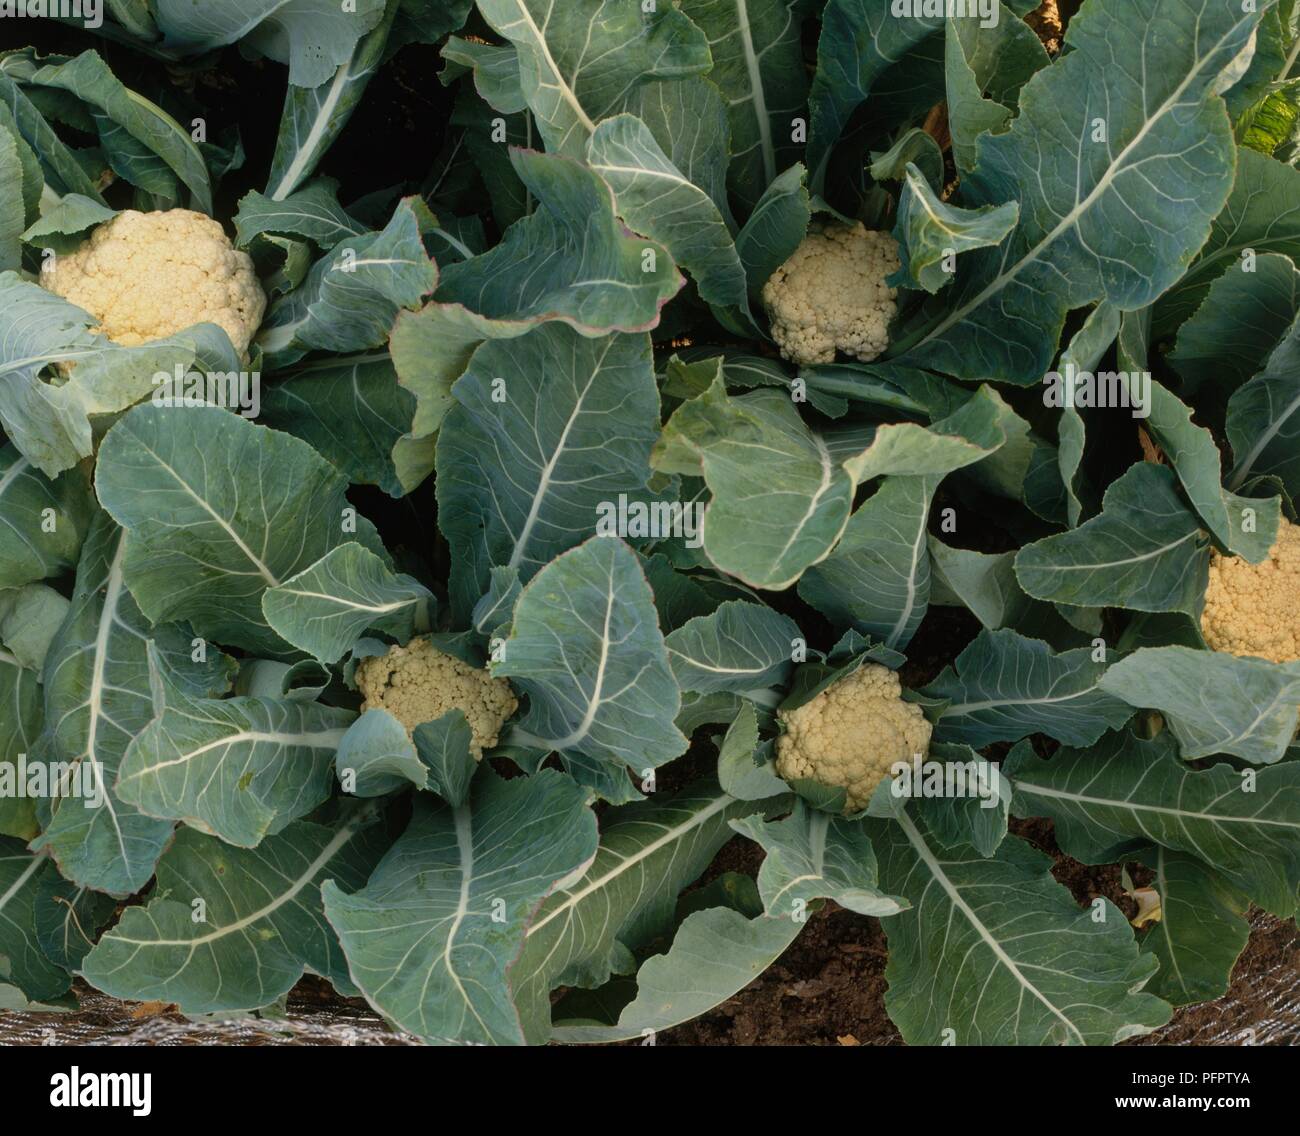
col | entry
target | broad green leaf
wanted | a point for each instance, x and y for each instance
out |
(758, 65)
(312, 212)
(521, 480)
(767, 522)
(739, 647)
(993, 951)
(325, 608)
(688, 118)
(353, 293)
(148, 126)
(715, 954)
(30, 617)
(28, 186)
(879, 385)
(590, 928)
(376, 756)
(1005, 471)
(444, 748)
(312, 36)
(42, 522)
(1090, 227)
(813, 855)
(235, 928)
(983, 582)
(1083, 354)
(1144, 552)
(1202, 928)
(1004, 687)
(931, 233)
(98, 697)
(20, 725)
(352, 411)
(315, 114)
(494, 608)
(1128, 793)
(68, 223)
(569, 260)
(577, 63)
(434, 933)
(707, 709)
(208, 534)
(1244, 525)
(50, 422)
(913, 147)
(586, 649)
(68, 919)
(1243, 317)
(1213, 702)
(428, 21)
(978, 59)
(973, 802)
(860, 42)
(775, 228)
(22, 961)
(878, 578)
(13, 213)
(495, 68)
(679, 598)
(969, 436)
(63, 173)
(656, 199)
(1043, 490)
(744, 766)
(1264, 420)
(239, 768)
(1261, 215)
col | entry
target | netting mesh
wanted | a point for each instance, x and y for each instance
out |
(1262, 1007)
(312, 1018)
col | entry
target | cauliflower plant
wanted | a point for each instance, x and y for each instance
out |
(418, 683)
(144, 276)
(1254, 609)
(851, 733)
(831, 294)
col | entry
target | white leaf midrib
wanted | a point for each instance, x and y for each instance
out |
(670, 835)
(931, 863)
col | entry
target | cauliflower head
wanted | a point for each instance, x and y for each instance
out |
(418, 683)
(1254, 609)
(831, 294)
(144, 276)
(851, 733)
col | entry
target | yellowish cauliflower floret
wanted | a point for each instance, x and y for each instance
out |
(831, 294)
(851, 733)
(144, 276)
(1254, 609)
(418, 683)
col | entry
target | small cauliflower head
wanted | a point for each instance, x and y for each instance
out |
(851, 734)
(144, 276)
(831, 295)
(1254, 609)
(418, 683)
